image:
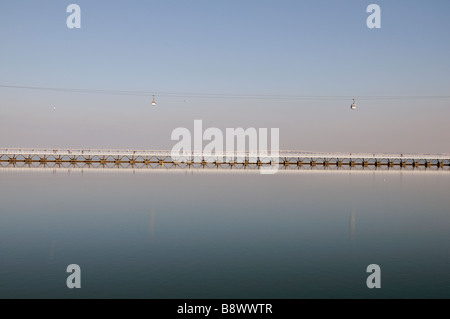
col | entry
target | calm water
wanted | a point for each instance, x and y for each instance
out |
(222, 235)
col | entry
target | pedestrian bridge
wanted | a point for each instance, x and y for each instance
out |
(35, 157)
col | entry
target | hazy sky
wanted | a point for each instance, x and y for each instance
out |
(257, 47)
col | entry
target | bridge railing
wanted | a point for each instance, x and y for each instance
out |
(249, 154)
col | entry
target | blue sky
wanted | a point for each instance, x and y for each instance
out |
(253, 47)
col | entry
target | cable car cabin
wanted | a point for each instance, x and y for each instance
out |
(153, 101)
(353, 106)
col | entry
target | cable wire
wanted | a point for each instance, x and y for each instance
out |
(229, 95)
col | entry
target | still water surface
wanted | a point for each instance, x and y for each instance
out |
(224, 235)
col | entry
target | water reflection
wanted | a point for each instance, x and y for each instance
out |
(224, 235)
(152, 224)
(352, 224)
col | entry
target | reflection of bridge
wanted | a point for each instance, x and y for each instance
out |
(152, 159)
